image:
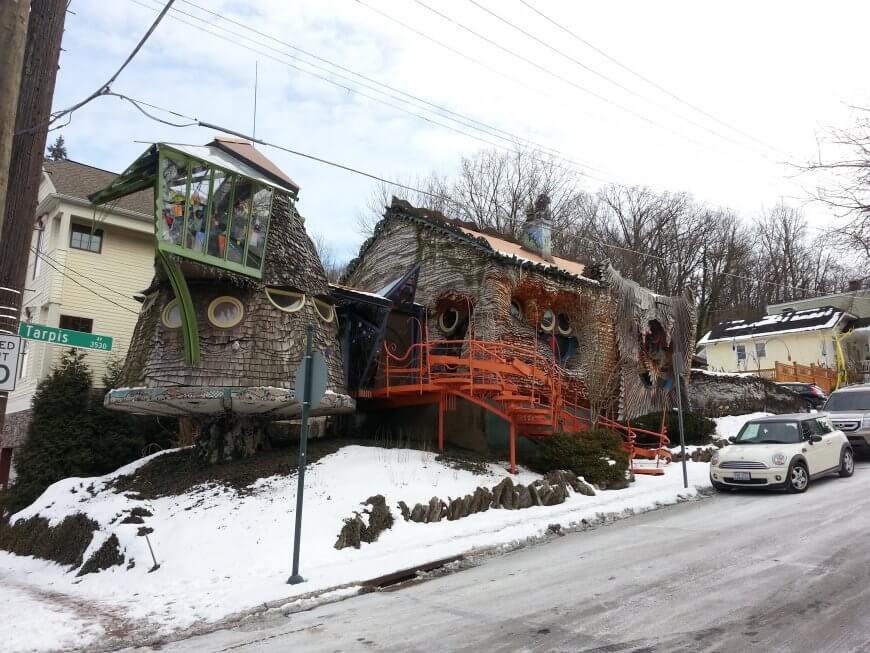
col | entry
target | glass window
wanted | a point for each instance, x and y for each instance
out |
(449, 320)
(516, 309)
(86, 238)
(760, 349)
(222, 195)
(73, 323)
(171, 315)
(288, 301)
(548, 321)
(769, 433)
(25, 359)
(174, 189)
(262, 207)
(197, 207)
(563, 324)
(325, 310)
(741, 352)
(241, 213)
(225, 312)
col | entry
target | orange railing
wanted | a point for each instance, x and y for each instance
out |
(529, 389)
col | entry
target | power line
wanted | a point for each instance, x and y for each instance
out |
(644, 78)
(450, 200)
(564, 79)
(78, 283)
(546, 150)
(46, 257)
(105, 87)
(598, 73)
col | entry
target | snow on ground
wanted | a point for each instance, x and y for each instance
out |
(730, 425)
(221, 553)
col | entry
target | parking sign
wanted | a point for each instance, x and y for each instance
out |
(10, 346)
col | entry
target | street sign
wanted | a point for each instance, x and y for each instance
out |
(10, 346)
(65, 337)
(318, 379)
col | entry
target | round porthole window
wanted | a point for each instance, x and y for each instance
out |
(563, 324)
(171, 315)
(288, 301)
(548, 321)
(225, 312)
(449, 320)
(325, 310)
(516, 309)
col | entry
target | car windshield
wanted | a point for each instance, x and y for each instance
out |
(844, 401)
(769, 433)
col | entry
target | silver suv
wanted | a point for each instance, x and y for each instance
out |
(849, 409)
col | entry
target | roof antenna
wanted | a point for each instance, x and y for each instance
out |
(254, 134)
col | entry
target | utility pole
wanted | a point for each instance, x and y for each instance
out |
(13, 32)
(38, 74)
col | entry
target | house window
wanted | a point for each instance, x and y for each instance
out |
(171, 315)
(741, 353)
(760, 349)
(225, 312)
(85, 238)
(83, 324)
(548, 321)
(288, 301)
(325, 310)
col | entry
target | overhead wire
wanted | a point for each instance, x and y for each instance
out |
(465, 121)
(643, 78)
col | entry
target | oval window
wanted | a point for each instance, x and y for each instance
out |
(449, 320)
(516, 309)
(288, 301)
(225, 312)
(563, 324)
(171, 315)
(325, 310)
(548, 321)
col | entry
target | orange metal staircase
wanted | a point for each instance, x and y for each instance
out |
(531, 392)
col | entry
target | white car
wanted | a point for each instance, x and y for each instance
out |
(782, 452)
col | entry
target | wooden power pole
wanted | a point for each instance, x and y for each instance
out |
(13, 32)
(38, 74)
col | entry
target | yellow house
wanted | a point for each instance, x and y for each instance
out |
(86, 265)
(804, 337)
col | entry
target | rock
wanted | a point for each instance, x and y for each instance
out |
(545, 492)
(533, 491)
(351, 533)
(380, 518)
(583, 488)
(524, 497)
(435, 509)
(556, 529)
(558, 496)
(406, 512)
(454, 510)
(505, 486)
(465, 506)
(480, 501)
(418, 514)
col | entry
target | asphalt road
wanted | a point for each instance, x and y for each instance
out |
(737, 572)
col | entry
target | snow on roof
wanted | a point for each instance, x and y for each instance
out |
(810, 320)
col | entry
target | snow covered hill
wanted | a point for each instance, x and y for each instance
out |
(222, 551)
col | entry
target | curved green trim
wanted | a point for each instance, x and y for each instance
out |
(189, 329)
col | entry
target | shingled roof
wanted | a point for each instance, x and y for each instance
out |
(814, 319)
(78, 180)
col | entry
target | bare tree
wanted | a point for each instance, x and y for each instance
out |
(333, 267)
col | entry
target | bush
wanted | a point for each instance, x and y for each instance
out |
(587, 454)
(697, 428)
(73, 435)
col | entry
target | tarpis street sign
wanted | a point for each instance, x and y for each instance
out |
(65, 337)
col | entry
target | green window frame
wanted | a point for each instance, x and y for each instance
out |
(237, 181)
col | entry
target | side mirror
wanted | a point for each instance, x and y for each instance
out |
(815, 438)
(732, 439)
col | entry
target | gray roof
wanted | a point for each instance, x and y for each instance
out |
(800, 417)
(79, 180)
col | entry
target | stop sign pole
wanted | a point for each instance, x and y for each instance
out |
(679, 368)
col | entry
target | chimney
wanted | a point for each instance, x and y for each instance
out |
(537, 229)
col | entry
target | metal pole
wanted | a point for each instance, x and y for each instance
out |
(677, 378)
(303, 446)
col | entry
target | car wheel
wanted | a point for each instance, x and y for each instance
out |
(847, 463)
(798, 478)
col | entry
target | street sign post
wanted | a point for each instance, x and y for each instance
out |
(679, 368)
(10, 346)
(64, 337)
(310, 386)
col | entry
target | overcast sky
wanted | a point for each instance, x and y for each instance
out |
(777, 73)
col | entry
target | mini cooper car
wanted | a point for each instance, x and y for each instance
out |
(782, 452)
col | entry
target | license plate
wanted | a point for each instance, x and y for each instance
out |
(742, 476)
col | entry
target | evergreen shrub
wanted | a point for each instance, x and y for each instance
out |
(587, 454)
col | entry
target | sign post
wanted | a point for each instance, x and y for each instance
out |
(311, 386)
(10, 346)
(64, 337)
(679, 368)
